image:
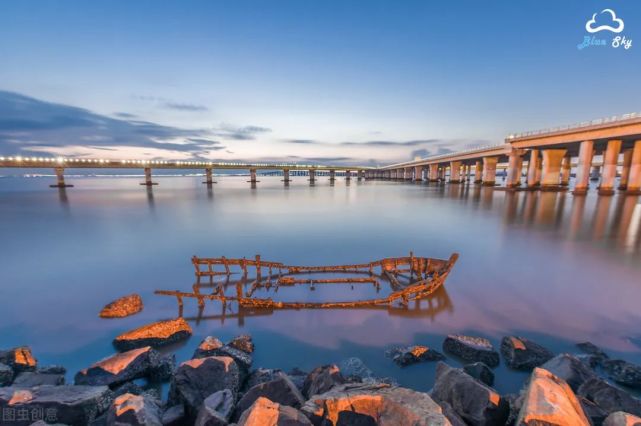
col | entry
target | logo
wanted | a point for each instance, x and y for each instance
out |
(606, 20)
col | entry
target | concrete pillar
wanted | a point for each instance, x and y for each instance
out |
(609, 174)
(252, 176)
(625, 172)
(332, 175)
(360, 174)
(348, 174)
(586, 153)
(455, 172)
(312, 175)
(432, 173)
(468, 173)
(634, 180)
(60, 178)
(478, 171)
(489, 170)
(209, 179)
(552, 159)
(148, 181)
(532, 169)
(566, 168)
(418, 173)
(286, 178)
(514, 169)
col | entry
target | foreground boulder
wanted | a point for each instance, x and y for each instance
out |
(262, 375)
(593, 412)
(72, 405)
(569, 368)
(412, 354)
(609, 398)
(481, 372)
(374, 404)
(134, 410)
(549, 400)
(29, 379)
(216, 409)
(623, 372)
(211, 346)
(156, 334)
(6, 375)
(19, 359)
(207, 347)
(622, 419)
(196, 379)
(243, 343)
(126, 366)
(523, 354)
(322, 379)
(592, 349)
(280, 390)
(174, 416)
(122, 307)
(267, 413)
(471, 349)
(473, 401)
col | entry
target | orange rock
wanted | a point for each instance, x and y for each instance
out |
(267, 413)
(123, 307)
(155, 334)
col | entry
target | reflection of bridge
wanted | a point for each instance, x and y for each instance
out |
(548, 155)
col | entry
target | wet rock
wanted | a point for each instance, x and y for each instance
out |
(52, 369)
(211, 346)
(322, 379)
(126, 366)
(549, 400)
(298, 376)
(593, 412)
(623, 372)
(387, 405)
(155, 334)
(243, 359)
(570, 369)
(261, 375)
(471, 349)
(174, 416)
(451, 414)
(6, 375)
(19, 359)
(354, 370)
(515, 403)
(592, 349)
(267, 413)
(134, 410)
(609, 398)
(72, 405)
(127, 387)
(481, 372)
(622, 419)
(216, 409)
(196, 379)
(412, 354)
(353, 418)
(243, 343)
(29, 379)
(281, 390)
(208, 347)
(123, 307)
(523, 354)
(591, 361)
(473, 401)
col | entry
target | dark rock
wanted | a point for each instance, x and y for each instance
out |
(261, 375)
(29, 379)
(134, 410)
(473, 401)
(123, 307)
(623, 372)
(298, 376)
(354, 370)
(591, 361)
(451, 415)
(593, 412)
(243, 359)
(471, 349)
(73, 405)
(126, 366)
(208, 347)
(6, 375)
(243, 343)
(52, 369)
(156, 334)
(196, 379)
(211, 346)
(609, 398)
(412, 354)
(352, 418)
(570, 369)
(515, 402)
(523, 354)
(322, 379)
(280, 390)
(267, 413)
(592, 349)
(622, 419)
(388, 405)
(216, 409)
(481, 372)
(127, 387)
(174, 416)
(19, 359)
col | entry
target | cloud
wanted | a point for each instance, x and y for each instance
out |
(165, 103)
(125, 115)
(392, 143)
(244, 133)
(185, 107)
(303, 141)
(611, 17)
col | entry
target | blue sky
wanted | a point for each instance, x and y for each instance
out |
(324, 81)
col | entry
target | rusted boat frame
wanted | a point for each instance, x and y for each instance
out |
(424, 276)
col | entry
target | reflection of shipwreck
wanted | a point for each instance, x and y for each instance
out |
(408, 279)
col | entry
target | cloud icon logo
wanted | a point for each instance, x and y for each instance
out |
(589, 26)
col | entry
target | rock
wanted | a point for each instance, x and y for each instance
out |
(196, 379)
(127, 387)
(322, 379)
(72, 405)
(515, 402)
(6, 375)
(243, 359)
(481, 372)
(243, 343)
(174, 416)
(52, 369)
(280, 390)
(155, 334)
(216, 409)
(19, 359)
(593, 412)
(123, 307)
(29, 379)
(592, 349)
(471, 349)
(134, 410)
(211, 346)
(473, 401)
(623, 372)
(549, 400)
(207, 347)
(412, 354)
(523, 354)
(352, 418)
(452, 416)
(298, 376)
(570, 369)
(267, 413)
(591, 361)
(261, 375)
(620, 418)
(609, 398)
(386, 405)
(126, 366)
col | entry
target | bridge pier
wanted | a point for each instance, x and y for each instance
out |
(332, 175)
(625, 172)
(252, 176)
(566, 169)
(609, 173)
(418, 173)
(348, 174)
(286, 178)
(586, 153)
(532, 169)
(489, 170)
(455, 172)
(209, 180)
(433, 173)
(514, 169)
(148, 181)
(60, 179)
(551, 172)
(360, 174)
(478, 171)
(312, 176)
(634, 179)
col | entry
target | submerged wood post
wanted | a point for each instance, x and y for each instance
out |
(286, 175)
(209, 176)
(148, 181)
(252, 176)
(348, 174)
(332, 175)
(312, 176)
(60, 178)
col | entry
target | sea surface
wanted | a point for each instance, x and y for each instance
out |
(549, 266)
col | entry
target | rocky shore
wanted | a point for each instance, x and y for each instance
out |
(220, 386)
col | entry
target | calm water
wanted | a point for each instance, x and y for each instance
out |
(549, 266)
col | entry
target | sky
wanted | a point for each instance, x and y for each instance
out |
(330, 82)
